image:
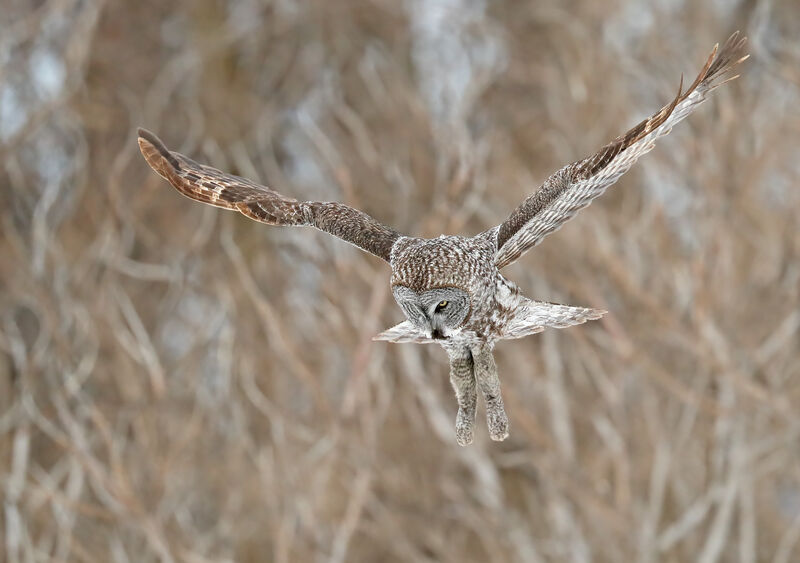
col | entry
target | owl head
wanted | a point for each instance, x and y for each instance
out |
(435, 312)
(432, 282)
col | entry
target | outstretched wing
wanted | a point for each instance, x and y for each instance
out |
(576, 185)
(258, 202)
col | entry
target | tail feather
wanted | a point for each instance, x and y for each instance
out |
(402, 333)
(534, 316)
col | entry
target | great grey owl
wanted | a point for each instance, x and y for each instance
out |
(450, 288)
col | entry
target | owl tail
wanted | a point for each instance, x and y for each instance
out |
(534, 316)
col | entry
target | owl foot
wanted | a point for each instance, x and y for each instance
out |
(464, 427)
(497, 421)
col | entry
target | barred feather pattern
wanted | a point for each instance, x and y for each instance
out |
(211, 186)
(573, 187)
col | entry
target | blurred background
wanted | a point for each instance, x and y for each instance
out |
(178, 383)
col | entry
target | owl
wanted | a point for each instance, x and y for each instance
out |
(450, 288)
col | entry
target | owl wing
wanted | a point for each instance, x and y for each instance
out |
(575, 186)
(209, 185)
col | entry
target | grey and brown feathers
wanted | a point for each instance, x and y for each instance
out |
(211, 186)
(575, 186)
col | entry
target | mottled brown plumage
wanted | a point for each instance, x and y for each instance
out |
(450, 288)
(263, 204)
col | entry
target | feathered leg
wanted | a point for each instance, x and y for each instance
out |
(489, 383)
(462, 376)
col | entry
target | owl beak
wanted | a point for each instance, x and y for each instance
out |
(437, 332)
(426, 325)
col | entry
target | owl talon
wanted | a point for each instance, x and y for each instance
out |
(464, 435)
(497, 421)
(464, 427)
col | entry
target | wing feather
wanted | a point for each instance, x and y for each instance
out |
(211, 186)
(573, 187)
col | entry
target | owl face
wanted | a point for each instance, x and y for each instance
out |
(436, 312)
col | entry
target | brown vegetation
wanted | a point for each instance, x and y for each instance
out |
(178, 383)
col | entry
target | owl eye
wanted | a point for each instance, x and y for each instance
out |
(441, 305)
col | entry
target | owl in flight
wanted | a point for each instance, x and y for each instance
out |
(450, 287)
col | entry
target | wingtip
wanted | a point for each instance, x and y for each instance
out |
(150, 138)
(150, 144)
